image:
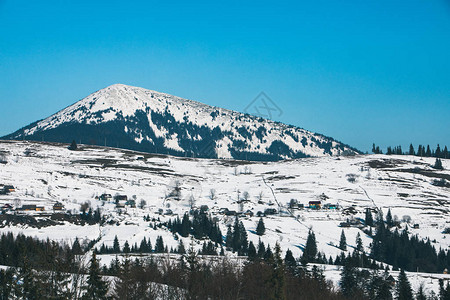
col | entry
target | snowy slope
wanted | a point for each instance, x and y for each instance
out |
(140, 119)
(44, 173)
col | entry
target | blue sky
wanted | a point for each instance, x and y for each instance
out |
(359, 71)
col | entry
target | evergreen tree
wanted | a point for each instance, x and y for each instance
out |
(445, 153)
(95, 287)
(421, 293)
(116, 245)
(438, 164)
(348, 281)
(126, 247)
(251, 251)
(185, 226)
(159, 246)
(310, 251)
(369, 218)
(343, 242)
(289, 260)
(389, 219)
(124, 283)
(73, 146)
(260, 228)
(359, 243)
(438, 153)
(261, 249)
(277, 280)
(76, 247)
(411, 150)
(428, 152)
(229, 238)
(404, 291)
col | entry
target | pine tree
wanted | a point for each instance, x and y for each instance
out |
(359, 243)
(124, 283)
(116, 246)
(261, 249)
(348, 282)
(159, 246)
(290, 260)
(95, 287)
(260, 228)
(310, 251)
(369, 218)
(343, 242)
(445, 153)
(438, 153)
(76, 247)
(438, 164)
(411, 150)
(404, 291)
(126, 247)
(251, 251)
(421, 293)
(389, 220)
(428, 152)
(73, 146)
(277, 280)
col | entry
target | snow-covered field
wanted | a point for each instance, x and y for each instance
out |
(45, 173)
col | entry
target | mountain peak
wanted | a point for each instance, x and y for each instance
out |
(145, 120)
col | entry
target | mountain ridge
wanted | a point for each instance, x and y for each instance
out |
(145, 120)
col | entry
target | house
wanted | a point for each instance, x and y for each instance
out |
(315, 204)
(331, 206)
(270, 211)
(131, 203)
(121, 198)
(28, 207)
(248, 213)
(223, 210)
(231, 213)
(120, 205)
(105, 197)
(58, 206)
(9, 188)
(6, 207)
(293, 204)
(31, 207)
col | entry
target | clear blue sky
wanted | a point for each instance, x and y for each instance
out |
(359, 71)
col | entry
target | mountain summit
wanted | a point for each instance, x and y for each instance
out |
(139, 119)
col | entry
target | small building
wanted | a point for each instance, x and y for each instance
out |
(416, 226)
(6, 207)
(9, 188)
(105, 197)
(58, 206)
(121, 198)
(31, 207)
(248, 213)
(315, 204)
(28, 207)
(331, 206)
(120, 205)
(270, 211)
(131, 203)
(231, 213)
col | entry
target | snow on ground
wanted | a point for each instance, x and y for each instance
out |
(44, 173)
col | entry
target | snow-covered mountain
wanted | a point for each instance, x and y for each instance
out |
(140, 119)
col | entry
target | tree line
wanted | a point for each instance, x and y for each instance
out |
(421, 151)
